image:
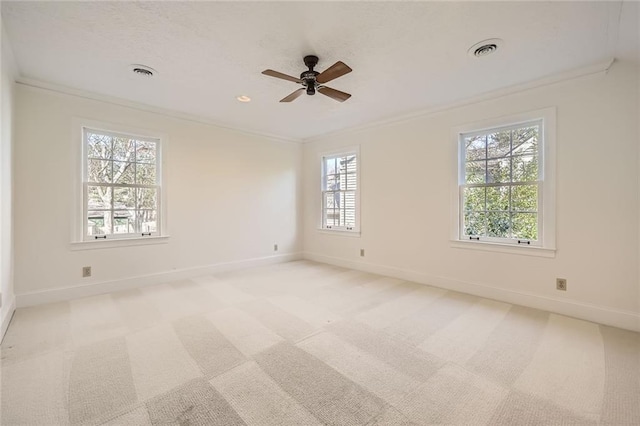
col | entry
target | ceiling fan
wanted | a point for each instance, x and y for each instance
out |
(313, 80)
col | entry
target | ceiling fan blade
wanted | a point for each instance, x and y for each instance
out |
(293, 96)
(334, 71)
(334, 94)
(276, 74)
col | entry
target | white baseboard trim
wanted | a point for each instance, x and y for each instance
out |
(600, 314)
(6, 317)
(94, 289)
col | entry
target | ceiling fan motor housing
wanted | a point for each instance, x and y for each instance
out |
(309, 81)
(309, 77)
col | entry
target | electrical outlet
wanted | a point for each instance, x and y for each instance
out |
(275, 247)
(86, 271)
(561, 284)
(361, 252)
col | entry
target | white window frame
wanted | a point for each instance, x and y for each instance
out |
(546, 244)
(80, 240)
(353, 230)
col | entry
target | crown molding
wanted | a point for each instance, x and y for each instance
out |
(597, 68)
(85, 94)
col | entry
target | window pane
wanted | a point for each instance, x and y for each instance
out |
(146, 174)
(331, 200)
(124, 149)
(525, 168)
(525, 140)
(498, 198)
(474, 223)
(343, 163)
(351, 162)
(350, 209)
(124, 222)
(351, 181)
(475, 148)
(350, 219)
(524, 198)
(332, 217)
(474, 199)
(123, 172)
(124, 198)
(99, 223)
(98, 146)
(525, 226)
(498, 224)
(498, 144)
(147, 220)
(475, 172)
(350, 200)
(498, 170)
(99, 171)
(342, 182)
(98, 197)
(330, 166)
(147, 198)
(331, 182)
(146, 151)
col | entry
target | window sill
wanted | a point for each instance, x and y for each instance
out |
(504, 248)
(341, 232)
(124, 242)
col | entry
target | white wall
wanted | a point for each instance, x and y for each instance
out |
(409, 164)
(7, 75)
(231, 196)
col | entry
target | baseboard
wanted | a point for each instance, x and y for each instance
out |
(94, 289)
(6, 317)
(600, 314)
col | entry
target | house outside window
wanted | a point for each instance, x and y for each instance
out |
(340, 196)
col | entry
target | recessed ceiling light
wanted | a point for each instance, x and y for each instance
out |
(485, 47)
(244, 98)
(142, 70)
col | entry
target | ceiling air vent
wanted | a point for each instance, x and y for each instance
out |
(485, 47)
(142, 70)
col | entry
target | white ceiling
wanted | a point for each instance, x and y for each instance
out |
(406, 56)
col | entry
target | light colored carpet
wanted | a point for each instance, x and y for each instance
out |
(303, 343)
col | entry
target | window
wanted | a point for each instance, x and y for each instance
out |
(121, 185)
(505, 190)
(340, 200)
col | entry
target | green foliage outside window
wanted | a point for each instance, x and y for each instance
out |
(500, 190)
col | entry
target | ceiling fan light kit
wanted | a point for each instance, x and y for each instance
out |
(313, 81)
